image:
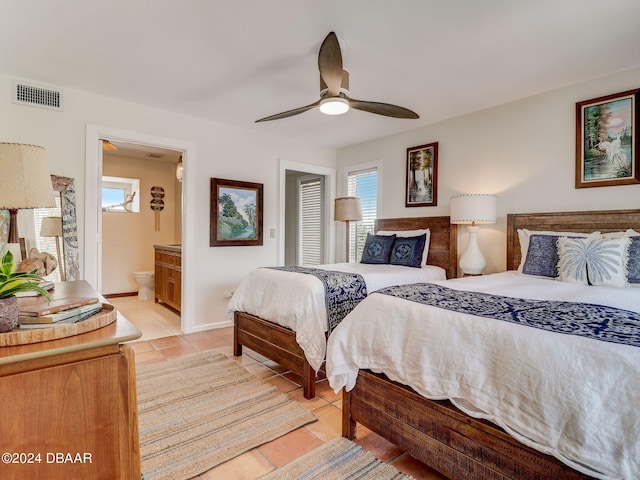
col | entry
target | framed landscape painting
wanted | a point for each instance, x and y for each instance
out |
(422, 176)
(236, 213)
(606, 147)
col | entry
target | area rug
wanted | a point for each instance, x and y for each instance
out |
(198, 411)
(339, 459)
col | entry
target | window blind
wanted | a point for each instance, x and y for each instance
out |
(311, 221)
(364, 185)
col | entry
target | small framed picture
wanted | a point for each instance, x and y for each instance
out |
(422, 176)
(236, 213)
(606, 147)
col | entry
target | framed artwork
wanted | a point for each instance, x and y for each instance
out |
(606, 147)
(236, 213)
(422, 176)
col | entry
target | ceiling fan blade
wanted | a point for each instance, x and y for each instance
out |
(289, 113)
(385, 109)
(330, 64)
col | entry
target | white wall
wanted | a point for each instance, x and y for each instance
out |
(220, 151)
(523, 151)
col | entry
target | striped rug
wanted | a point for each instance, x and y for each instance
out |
(339, 459)
(198, 411)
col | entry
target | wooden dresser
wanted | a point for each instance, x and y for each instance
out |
(168, 275)
(68, 407)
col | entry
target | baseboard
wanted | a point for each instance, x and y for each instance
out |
(210, 326)
(116, 295)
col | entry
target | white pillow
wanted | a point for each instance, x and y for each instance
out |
(412, 233)
(627, 233)
(594, 261)
(524, 234)
(572, 266)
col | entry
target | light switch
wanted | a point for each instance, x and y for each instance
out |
(272, 232)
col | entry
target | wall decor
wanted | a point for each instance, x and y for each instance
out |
(606, 150)
(157, 204)
(422, 176)
(65, 186)
(236, 213)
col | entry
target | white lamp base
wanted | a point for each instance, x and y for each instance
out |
(472, 261)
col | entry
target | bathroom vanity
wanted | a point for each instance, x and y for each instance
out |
(168, 275)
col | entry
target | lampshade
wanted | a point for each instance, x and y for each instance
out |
(179, 170)
(334, 106)
(473, 208)
(348, 209)
(51, 227)
(25, 181)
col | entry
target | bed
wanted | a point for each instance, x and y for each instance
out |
(465, 445)
(270, 338)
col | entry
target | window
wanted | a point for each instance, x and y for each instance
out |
(311, 220)
(52, 245)
(364, 185)
(120, 194)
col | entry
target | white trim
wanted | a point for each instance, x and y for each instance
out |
(330, 193)
(93, 214)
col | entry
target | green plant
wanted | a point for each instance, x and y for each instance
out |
(12, 282)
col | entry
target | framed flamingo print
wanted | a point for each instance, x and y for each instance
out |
(606, 141)
(422, 176)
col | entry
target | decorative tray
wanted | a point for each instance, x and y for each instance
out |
(23, 336)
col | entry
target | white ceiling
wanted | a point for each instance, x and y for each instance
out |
(236, 61)
(133, 150)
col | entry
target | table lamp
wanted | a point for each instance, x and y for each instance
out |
(473, 209)
(25, 182)
(52, 227)
(347, 209)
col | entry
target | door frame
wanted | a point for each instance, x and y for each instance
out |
(93, 209)
(329, 195)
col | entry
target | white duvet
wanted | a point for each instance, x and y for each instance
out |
(297, 300)
(575, 398)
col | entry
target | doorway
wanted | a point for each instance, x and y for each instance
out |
(94, 242)
(290, 175)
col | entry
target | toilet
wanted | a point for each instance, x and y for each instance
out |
(145, 281)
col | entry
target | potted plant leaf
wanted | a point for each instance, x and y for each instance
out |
(12, 282)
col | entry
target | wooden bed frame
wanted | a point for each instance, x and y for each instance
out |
(440, 435)
(279, 343)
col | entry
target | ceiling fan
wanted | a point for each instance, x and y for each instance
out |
(334, 89)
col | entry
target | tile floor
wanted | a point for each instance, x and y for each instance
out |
(265, 458)
(152, 319)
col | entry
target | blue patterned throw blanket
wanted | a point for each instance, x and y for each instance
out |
(599, 322)
(343, 291)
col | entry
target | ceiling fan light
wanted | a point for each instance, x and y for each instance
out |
(334, 106)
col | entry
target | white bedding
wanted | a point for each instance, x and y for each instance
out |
(575, 398)
(297, 300)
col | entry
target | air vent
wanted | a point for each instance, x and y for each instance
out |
(37, 96)
(155, 155)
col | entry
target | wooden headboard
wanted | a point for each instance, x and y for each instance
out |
(583, 222)
(443, 246)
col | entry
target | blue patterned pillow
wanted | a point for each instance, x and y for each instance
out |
(633, 263)
(542, 256)
(377, 248)
(407, 251)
